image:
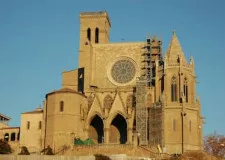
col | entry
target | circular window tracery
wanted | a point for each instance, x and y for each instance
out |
(123, 71)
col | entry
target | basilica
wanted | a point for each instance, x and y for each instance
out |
(121, 93)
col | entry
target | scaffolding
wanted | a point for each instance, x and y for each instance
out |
(156, 124)
(143, 83)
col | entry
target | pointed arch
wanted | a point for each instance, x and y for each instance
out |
(96, 35)
(186, 89)
(96, 131)
(112, 116)
(91, 116)
(173, 89)
(118, 130)
(89, 34)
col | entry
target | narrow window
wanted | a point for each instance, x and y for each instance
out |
(13, 136)
(89, 34)
(174, 125)
(190, 125)
(39, 125)
(61, 106)
(186, 89)
(6, 137)
(28, 125)
(96, 35)
(173, 89)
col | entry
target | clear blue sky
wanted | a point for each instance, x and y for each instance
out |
(39, 39)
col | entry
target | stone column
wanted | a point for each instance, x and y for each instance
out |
(106, 135)
(129, 135)
(16, 136)
(85, 133)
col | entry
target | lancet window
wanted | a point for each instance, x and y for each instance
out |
(173, 89)
(186, 89)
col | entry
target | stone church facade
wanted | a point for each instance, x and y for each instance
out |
(100, 99)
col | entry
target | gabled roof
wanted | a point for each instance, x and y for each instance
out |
(175, 50)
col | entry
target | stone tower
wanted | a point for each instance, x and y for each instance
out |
(94, 29)
(182, 123)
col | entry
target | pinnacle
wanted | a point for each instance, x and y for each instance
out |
(175, 50)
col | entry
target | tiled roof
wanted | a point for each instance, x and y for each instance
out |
(34, 112)
(4, 116)
(65, 90)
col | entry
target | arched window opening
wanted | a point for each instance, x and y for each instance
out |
(6, 137)
(174, 125)
(13, 136)
(173, 89)
(28, 125)
(190, 125)
(186, 89)
(39, 125)
(61, 108)
(89, 34)
(96, 35)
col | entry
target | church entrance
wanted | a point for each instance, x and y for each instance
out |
(96, 130)
(118, 130)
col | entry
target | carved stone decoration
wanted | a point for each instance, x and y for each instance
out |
(90, 100)
(130, 101)
(108, 100)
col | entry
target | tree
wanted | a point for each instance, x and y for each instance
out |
(215, 144)
(5, 148)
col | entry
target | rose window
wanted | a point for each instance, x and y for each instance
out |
(123, 71)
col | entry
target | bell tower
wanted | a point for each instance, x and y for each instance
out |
(94, 29)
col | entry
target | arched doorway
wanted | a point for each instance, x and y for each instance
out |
(118, 130)
(96, 129)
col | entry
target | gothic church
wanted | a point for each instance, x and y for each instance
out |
(122, 93)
